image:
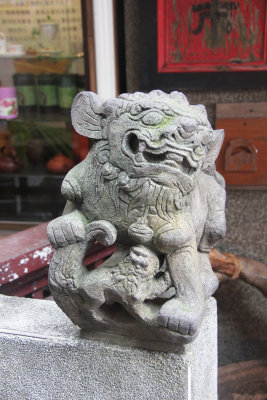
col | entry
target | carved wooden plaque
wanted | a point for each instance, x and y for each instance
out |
(211, 35)
(243, 158)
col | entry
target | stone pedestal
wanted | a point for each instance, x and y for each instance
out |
(44, 357)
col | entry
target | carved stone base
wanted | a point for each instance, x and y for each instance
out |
(44, 357)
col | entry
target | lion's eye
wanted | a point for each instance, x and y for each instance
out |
(189, 126)
(153, 118)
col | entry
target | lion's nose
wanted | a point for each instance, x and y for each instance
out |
(171, 134)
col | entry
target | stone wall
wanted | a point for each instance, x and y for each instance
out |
(242, 309)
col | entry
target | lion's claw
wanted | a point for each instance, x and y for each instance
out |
(176, 318)
(65, 230)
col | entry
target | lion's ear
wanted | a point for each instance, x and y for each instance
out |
(214, 150)
(85, 114)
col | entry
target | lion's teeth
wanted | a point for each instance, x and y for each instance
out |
(139, 157)
(142, 146)
(175, 157)
(171, 163)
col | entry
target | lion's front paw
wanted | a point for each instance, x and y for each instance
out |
(65, 230)
(185, 320)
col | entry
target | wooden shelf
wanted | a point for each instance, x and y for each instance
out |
(41, 56)
(39, 171)
(42, 117)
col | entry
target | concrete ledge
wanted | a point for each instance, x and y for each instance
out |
(43, 357)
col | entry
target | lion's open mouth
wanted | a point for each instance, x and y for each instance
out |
(169, 159)
(165, 155)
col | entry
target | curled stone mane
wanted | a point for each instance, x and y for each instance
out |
(139, 96)
(158, 98)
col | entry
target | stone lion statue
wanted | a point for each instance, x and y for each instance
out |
(149, 184)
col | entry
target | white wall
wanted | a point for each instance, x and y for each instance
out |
(104, 48)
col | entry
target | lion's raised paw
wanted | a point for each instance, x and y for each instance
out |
(65, 230)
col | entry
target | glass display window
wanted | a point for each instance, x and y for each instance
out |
(41, 71)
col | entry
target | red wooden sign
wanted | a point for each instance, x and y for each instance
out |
(212, 35)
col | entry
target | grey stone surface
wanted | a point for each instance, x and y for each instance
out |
(242, 309)
(242, 321)
(44, 358)
(149, 183)
(246, 215)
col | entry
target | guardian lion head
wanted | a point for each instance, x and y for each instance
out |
(154, 135)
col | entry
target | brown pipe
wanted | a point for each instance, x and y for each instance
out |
(230, 266)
